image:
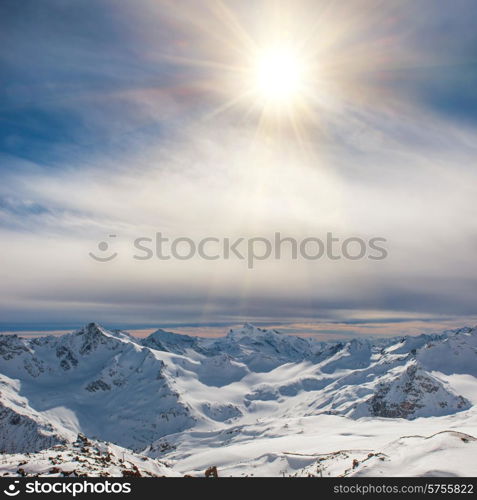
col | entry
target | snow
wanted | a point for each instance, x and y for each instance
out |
(431, 456)
(252, 402)
(83, 457)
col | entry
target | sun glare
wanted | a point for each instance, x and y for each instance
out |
(279, 75)
(287, 72)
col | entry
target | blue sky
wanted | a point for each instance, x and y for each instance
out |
(128, 118)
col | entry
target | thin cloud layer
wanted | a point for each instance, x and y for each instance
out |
(116, 122)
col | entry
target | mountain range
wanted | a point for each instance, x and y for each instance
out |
(254, 402)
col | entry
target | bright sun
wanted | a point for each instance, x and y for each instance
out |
(279, 76)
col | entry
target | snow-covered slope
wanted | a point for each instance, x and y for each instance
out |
(423, 456)
(96, 382)
(171, 342)
(83, 458)
(427, 456)
(170, 395)
(263, 350)
(23, 429)
(410, 392)
(455, 353)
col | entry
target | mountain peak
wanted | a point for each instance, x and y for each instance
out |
(169, 341)
(92, 335)
(248, 330)
(92, 328)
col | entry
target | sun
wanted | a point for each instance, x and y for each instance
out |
(278, 76)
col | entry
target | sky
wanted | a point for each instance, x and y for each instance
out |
(140, 117)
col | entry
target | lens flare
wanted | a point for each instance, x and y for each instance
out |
(279, 75)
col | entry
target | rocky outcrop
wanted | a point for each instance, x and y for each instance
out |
(414, 393)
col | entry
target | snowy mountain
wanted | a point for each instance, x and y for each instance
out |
(175, 397)
(410, 392)
(171, 342)
(96, 382)
(263, 350)
(83, 458)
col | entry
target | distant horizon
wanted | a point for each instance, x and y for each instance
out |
(325, 330)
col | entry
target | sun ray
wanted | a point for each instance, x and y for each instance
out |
(230, 20)
(292, 69)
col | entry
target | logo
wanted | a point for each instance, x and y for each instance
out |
(12, 490)
(251, 250)
(103, 246)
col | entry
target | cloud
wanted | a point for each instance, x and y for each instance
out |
(112, 131)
